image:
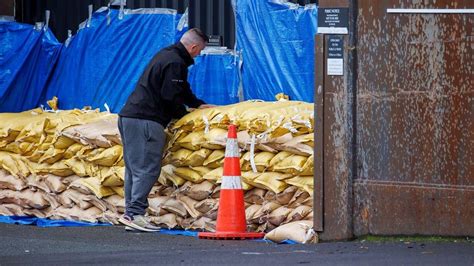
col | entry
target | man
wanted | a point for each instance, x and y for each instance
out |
(159, 96)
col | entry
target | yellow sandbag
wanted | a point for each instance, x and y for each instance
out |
(214, 159)
(119, 190)
(168, 172)
(23, 148)
(63, 142)
(192, 141)
(194, 120)
(33, 132)
(93, 183)
(180, 157)
(215, 175)
(112, 177)
(308, 167)
(52, 155)
(271, 181)
(249, 178)
(300, 231)
(202, 170)
(59, 169)
(303, 182)
(14, 164)
(216, 136)
(198, 157)
(107, 157)
(188, 174)
(292, 164)
(278, 158)
(262, 161)
(72, 150)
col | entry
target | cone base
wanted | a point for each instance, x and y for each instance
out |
(230, 235)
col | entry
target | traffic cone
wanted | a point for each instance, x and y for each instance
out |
(231, 223)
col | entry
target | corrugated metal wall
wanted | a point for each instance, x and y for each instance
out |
(214, 17)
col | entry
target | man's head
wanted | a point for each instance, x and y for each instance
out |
(194, 41)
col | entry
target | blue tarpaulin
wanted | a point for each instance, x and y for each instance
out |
(27, 58)
(43, 222)
(214, 77)
(277, 42)
(105, 59)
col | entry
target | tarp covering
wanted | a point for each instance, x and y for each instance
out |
(103, 62)
(43, 222)
(214, 77)
(277, 42)
(27, 57)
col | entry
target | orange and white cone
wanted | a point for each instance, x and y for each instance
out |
(231, 223)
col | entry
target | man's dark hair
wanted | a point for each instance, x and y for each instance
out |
(199, 33)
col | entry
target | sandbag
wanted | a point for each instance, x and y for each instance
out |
(255, 196)
(14, 164)
(284, 197)
(175, 206)
(251, 211)
(277, 216)
(115, 203)
(206, 205)
(216, 136)
(180, 157)
(119, 191)
(189, 205)
(215, 159)
(168, 220)
(8, 181)
(35, 182)
(303, 182)
(54, 183)
(72, 150)
(200, 191)
(271, 181)
(291, 165)
(300, 231)
(154, 205)
(215, 175)
(93, 184)
(168, 172)
(107, 157)
(188, 174)
(198, 157)
(299, 213)
(192, 141)
(12, 209)
(298, 198)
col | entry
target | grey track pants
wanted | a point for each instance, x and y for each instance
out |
(143, 142)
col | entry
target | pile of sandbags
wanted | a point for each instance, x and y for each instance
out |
(69, 165)
(61, 165)
(276, 140)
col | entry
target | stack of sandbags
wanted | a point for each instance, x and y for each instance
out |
(276, 141)
(60, 164)
(72, 163)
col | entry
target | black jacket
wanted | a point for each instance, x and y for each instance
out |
(163, 90)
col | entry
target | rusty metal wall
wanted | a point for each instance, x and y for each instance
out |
(415, 110)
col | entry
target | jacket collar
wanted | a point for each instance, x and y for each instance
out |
(184, 54)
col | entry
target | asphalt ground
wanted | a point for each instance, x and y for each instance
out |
(112, 245)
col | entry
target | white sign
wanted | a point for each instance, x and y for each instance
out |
(335, 67)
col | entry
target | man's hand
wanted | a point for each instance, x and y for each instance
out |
(204, 106)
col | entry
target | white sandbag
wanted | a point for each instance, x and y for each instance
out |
(300, 231)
